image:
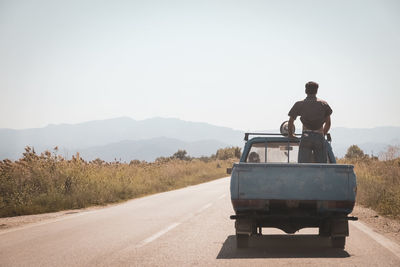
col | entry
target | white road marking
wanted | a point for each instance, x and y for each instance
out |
(157, 235)
(385, 242)
(172, 226)
(221, 197)
(204, 208)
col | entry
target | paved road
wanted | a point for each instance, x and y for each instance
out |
(190, 226)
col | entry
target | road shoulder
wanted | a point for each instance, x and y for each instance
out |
(9, 223)
(385, 226)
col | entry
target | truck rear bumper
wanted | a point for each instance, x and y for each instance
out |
(336, 223)
(273, 206)
(313, 219)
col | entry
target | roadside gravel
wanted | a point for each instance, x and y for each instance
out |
(385, 226)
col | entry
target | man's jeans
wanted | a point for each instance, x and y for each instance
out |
(312, 148)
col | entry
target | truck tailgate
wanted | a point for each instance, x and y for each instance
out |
(294, 181)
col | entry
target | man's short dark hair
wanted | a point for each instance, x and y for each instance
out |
(311, 88)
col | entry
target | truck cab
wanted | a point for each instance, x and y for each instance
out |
(269, 188)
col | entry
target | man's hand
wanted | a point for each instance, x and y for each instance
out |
(327, 125)
(291, 127)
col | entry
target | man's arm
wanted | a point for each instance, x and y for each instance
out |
(291, 127)
(327, 125)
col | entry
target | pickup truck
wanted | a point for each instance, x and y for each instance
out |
(270, 189)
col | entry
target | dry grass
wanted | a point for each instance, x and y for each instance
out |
(48, 182)
(378, 184)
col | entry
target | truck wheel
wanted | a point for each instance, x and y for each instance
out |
(323, 232)
(324, 229)
(338, 241)
(242, 241)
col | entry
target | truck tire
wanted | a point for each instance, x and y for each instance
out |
(338, 241)
(242, 241)
(325, 229)
(324, 232)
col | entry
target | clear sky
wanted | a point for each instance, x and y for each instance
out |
(240, 64)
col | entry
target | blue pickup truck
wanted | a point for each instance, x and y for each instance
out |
(270, 189)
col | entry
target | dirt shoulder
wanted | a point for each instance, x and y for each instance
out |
(8, 223)
(385, 226)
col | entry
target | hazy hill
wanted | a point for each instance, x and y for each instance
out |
(128, 139)
(371, 140)
(150, 149)
(82, 136)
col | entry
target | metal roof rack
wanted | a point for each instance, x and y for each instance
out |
(246, 135)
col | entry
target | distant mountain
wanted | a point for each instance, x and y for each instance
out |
(370, 140)
(88, 135)
(150, 149)
(127, 139)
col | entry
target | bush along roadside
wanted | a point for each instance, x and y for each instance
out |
(378, 179)
(48, 182)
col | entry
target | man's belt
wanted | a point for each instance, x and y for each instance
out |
(313, 131)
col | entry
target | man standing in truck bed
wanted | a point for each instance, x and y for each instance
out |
(315, 114)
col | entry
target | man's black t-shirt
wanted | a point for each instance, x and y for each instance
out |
(312, 112)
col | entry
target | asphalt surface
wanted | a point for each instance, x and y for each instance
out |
(185, 227)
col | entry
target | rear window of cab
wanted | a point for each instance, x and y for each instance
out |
(273, 152)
